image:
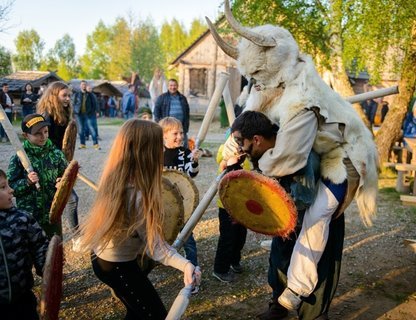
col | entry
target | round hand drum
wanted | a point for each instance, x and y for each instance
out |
(51, 291)
(63, 192)
(69, 140)
(173, 207)
(187, 188)
(258, 202)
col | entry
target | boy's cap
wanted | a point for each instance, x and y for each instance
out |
(143, 110)
(32, 123)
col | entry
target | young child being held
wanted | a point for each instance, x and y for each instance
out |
(182, 159)
(49, 164)
(23, 244)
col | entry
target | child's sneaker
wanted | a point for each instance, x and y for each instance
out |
(290, 299)
(97, 147)
(266, 245)
(82, 146)
(224, 277)
(236, 268)
(195, 289)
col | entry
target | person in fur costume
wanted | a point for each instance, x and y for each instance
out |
(311, 116)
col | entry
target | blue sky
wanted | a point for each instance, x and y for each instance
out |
(53, 18)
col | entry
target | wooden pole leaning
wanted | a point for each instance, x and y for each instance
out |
(229, 105)
(213, 104)
(198, 212)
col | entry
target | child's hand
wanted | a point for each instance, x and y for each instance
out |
(188, 274)
(58, 181)
(196, 154)
(239, 159)
(32, 178)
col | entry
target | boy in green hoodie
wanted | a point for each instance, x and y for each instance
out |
(48, 164)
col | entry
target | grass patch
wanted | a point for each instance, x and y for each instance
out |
(110, 121)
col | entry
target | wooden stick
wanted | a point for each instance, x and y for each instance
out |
(87, 181)
(229, 105)
(14, 140)
(373, 94)
(198, 212)
(216, 96)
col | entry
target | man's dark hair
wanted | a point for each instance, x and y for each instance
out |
(251, 123)
(5, 84)
(3, 174)
(174, 80)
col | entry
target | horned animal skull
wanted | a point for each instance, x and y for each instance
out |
(267, 54)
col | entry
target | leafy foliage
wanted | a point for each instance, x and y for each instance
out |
(5, 62)
(62, 59)
(29, 47)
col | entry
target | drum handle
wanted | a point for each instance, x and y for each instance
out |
(198, 212)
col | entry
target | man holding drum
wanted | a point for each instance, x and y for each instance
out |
(311, 256)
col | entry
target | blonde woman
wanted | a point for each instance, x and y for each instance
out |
(55, 106)
(126, 220)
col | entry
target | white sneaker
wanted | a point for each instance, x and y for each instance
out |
(290, 299)
(266, 245)
(76, 245)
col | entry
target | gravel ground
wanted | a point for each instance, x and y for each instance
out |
(377, 277)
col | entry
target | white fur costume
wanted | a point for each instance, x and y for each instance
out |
(288, 84)
(288, 89)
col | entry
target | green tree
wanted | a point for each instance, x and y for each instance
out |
(62, 58)
(146, 50)
(95, 61)
(5, 62)
(29, 47)
(198, 27)
(173, 39)
(120, 50)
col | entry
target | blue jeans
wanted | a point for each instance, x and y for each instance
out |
(28, 110)
(191, 252)
(72, 209)
(128, 115)
(85, 121)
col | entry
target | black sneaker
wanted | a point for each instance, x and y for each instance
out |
(275, 311)
(236, 268)
(224, 277)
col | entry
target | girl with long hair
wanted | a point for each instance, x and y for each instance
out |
(55, 106)
(126, 218)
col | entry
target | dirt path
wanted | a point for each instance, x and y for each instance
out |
(377, 278)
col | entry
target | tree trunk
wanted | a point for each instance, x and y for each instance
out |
(341, 83)
(390, 130)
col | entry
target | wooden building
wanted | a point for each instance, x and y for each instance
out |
(19, 79)
(198, 67)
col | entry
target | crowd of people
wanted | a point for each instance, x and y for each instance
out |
(125, 220)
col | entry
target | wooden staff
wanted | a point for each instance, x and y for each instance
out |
(216, 96)
(14, 140)
(373, 94)
(198, 212)
(87, 181)
(229, 105)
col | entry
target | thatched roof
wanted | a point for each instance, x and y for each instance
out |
(17, 80)
(109, 88)
(103, 87)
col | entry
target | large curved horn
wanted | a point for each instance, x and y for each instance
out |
(228, 49)
(245, 32)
